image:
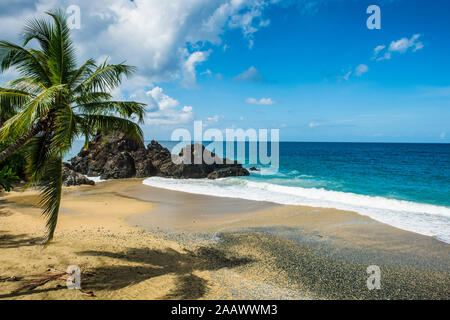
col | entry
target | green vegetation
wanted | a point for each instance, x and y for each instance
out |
(7, 176)
(54, 102)
(15, 161)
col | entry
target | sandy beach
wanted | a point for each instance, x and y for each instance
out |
(132, 241)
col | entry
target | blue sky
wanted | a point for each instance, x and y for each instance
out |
(306, 67)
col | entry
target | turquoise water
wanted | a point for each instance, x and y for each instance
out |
(413, 172)
(404, 185)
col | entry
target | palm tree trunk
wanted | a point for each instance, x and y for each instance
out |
(21, 141)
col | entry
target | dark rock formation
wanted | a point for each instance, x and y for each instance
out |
(119, 166)
(116, 156)
(73, 178)
(253, 169)
(228, 172)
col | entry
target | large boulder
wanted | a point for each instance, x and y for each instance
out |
(143, 164)
(73, 178)
(116, 157)
(98, 159)
(119, 166)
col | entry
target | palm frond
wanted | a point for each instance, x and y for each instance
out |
(82, 73)
(91, 97)
(126, 109)
(34, 110)
(66, 130)
(40, 30)
(27, 84)
(51, 190)
(61, 53)
(11, 100)
(106, 77)
(107, 123)
(37, 154)
(27, 62)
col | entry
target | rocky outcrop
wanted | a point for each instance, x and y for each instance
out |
(119, 166)
(116, 157)
(73, 178)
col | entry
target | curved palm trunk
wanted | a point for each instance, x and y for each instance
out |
(21, 141)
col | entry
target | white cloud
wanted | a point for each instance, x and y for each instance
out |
(358, 71)
(443, 135)
(401, 46)
(378, 49)
(245, 23)
(347, 75)
(165, 39)
(250, 75)
(163, 109)
(361, 69)
(189, 73)
(160, 100)
(404, 44)
(263, 101)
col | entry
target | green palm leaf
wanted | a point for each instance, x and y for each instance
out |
(51, 189)
(113, 124)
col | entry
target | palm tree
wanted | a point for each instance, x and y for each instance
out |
(54, 102)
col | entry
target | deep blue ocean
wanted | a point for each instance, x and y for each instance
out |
(404, 185)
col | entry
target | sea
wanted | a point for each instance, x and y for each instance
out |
(406, 185)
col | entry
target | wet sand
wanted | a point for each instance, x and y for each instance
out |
(137, 242)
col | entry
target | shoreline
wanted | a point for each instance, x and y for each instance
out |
(202, 247)
(422, 218)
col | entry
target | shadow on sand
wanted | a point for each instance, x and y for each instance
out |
(8, 241)
(134, 266)
(154, 263)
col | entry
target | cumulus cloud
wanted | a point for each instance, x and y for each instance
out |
(165, 39)
(262, 101)
(159, 100)
(401, 46)
(163, 109)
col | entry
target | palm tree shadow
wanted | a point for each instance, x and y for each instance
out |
(154, 263)
(188, 287)
(8, 241)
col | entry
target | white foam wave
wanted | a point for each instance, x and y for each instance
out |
(95, 179)
(422, 218)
